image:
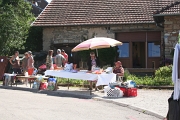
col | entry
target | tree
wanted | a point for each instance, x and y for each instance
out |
(15, 20)
(34, 40)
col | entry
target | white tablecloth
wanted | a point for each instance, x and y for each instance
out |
(102, 79)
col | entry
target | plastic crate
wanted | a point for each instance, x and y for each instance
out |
(129, 92)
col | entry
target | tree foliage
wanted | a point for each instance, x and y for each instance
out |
(105, 55)
(34, 40)
(15, 20)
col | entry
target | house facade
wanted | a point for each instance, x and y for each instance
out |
(67, 23)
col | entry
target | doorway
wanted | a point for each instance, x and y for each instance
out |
(73, 57)
(67, 49)
(138, 55)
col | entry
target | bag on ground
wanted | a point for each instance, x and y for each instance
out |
(51, 83)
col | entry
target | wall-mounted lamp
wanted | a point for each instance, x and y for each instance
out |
(166, 38)
(167, 34)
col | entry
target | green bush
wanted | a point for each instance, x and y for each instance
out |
(126, 74)
(162, 77)
(71, 81)
(164, 72)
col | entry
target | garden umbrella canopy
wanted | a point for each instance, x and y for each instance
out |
(96, 43)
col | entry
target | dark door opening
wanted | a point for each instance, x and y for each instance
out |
(138, 54)
(73, 57)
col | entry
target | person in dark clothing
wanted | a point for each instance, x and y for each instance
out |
(15, 62)
(93, 61)
(75, 60)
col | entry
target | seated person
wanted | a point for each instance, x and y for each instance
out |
(118, 69)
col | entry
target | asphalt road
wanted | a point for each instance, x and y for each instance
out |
(24, 105)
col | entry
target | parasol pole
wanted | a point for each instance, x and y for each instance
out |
(97, 52)
(96, 49)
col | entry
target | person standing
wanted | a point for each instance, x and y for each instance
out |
(49, 60)
(65, 56)
(15, 62)
(25, 63)
(30, 63)
(59, 59)
(93, 61)
(24, 66)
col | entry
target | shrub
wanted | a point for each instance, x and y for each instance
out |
(164, 72)
(163, 75)
(126, 74)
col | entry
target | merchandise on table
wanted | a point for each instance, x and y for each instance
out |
(68, 67)
(109, 70)
(74, 71)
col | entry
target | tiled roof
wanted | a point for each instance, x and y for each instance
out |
(171, 9)
(99, 12)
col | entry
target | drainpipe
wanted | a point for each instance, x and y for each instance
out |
(163, 45)
(158, 20)
(146, 50)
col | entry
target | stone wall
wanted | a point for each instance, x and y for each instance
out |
(77, 34)
(171, 31)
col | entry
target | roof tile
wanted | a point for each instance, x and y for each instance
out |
(98, 12)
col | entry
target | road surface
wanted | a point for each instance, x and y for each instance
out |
(24, 105)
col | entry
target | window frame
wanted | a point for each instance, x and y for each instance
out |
(128, 53)
(148, 51)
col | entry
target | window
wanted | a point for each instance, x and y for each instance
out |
(153, 49)
(123, 50)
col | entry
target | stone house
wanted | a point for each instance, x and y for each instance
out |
(169, 19)
(133, 22)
